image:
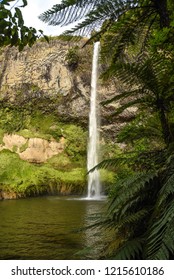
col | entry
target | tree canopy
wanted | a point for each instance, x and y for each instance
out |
(13, 31)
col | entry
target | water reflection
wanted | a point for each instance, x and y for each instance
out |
(46, 228)
(94, 235)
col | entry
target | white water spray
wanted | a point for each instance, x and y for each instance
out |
(94, 186)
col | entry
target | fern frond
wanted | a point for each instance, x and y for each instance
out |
(130, 250)
(132, 218)
(131, 205)
(93, 14)
(167, 189)
(72, 11)
(168, 240)
(114, 162)
(160, 233)
(129, 104)
(128, 189)
(122, 96)
(68, 11)
(144, 74)
(163, 244)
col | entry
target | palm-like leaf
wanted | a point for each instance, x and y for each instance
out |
(142, 210)
(130, 250)
(94, 13)
(70, 11)
(160, 239)
(132, 187)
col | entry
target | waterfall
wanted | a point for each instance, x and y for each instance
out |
(94, 186)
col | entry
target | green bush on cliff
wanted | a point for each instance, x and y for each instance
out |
(76, 142)
(72, 58)
(60, 162)
(28, 179)
(15, 174)
(11, 119)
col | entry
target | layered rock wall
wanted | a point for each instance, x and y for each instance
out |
(43, 68)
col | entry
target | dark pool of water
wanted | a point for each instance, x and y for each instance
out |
(45, 228)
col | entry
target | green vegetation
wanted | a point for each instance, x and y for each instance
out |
(64, 173)
(13, 32)
(66, 169)
(72, 58)
(137, 50)
(27, 179)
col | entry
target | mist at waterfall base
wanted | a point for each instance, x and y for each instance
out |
(94, 184)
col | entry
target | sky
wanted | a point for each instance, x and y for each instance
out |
(34, 9)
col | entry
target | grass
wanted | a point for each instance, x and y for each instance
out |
(1, 137)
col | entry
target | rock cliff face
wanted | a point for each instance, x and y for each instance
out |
(44, 69)
(43, 72)
(43, 65)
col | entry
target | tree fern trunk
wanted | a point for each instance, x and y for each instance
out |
(161, 6)
(165, 126)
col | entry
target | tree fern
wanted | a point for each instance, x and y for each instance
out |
(148, 77)
(141, 212)
(142, 204)
(94, 13)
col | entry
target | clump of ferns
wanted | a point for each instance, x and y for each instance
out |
(140, 215)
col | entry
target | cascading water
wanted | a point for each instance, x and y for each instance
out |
(94, 186)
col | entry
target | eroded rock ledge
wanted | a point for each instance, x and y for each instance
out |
(36, 150)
